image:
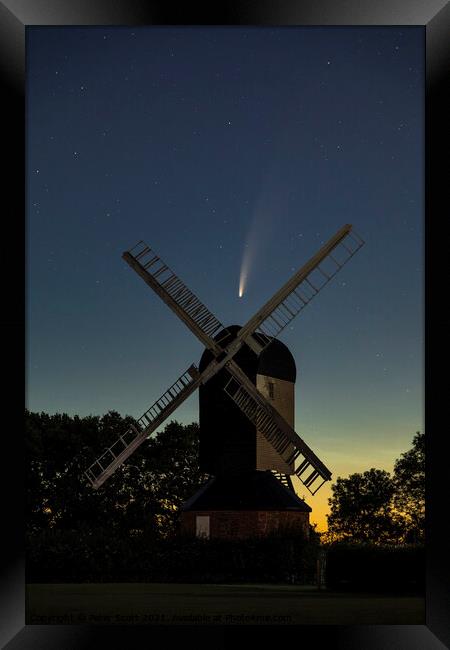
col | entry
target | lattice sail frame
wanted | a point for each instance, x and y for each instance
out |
(299, 290)
(281, 436)
(125, 445)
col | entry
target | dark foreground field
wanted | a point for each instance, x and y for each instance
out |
(192, 604)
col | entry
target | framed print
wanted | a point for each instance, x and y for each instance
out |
(90, 138)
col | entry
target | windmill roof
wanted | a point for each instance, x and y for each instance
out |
(275, 360)
(250, 490)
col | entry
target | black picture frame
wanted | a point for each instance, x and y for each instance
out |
(15, 16)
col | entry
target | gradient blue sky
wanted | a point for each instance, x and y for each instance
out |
(212, 144)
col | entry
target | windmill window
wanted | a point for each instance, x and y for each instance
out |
(202, 526)
(271, 390)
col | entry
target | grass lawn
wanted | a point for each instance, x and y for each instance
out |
(193, 604)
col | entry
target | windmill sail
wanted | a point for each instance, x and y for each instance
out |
(276, 430)
(267, 323)
(126, 444)
(175, 294)
(306, 283)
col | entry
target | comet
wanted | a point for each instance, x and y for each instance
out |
(243, 277)
(244, 272)
(269, 206)
(246, 263)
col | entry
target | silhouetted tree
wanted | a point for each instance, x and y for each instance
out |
(409, 495)
(361, 508)
(143, 494)
(375, 507)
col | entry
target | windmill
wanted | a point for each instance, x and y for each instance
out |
(224, 346)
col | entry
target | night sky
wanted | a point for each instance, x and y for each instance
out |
(229, 148)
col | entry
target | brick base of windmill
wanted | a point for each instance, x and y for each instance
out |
(243, 505)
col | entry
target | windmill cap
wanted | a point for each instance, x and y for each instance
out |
(275, 360)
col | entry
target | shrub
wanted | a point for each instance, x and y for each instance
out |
(102, 556)
(380, 568)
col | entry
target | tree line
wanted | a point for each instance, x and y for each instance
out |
(375, 506)
(145, 494)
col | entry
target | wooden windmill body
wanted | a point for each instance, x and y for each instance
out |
(250, 492)
(246, 383)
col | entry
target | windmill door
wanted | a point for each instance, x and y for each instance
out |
(202, 526)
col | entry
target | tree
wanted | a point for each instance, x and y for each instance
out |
(409, 494)
(361, 508)
(374, 506)
(143, 494)
(172, 469)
